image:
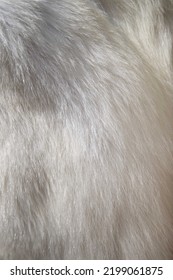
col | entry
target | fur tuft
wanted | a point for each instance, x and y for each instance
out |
(86, 142)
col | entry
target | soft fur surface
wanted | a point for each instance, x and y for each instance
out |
(86, 129)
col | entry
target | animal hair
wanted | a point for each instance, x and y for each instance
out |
(86, 129)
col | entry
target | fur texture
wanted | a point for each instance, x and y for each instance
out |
(86, 129)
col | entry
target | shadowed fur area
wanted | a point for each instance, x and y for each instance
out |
(86, 129)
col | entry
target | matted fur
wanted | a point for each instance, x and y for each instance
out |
(86, 129)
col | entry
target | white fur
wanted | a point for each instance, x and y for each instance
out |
(86, 129)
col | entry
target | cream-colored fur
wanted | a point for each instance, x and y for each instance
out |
(86, 129)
